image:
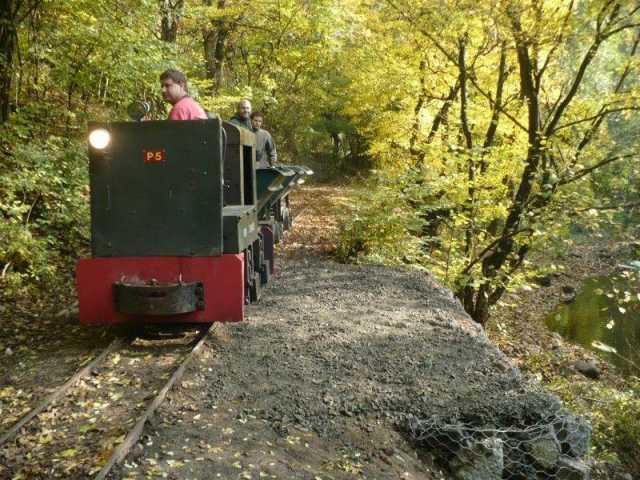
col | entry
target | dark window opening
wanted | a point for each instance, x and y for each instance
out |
(247, 165)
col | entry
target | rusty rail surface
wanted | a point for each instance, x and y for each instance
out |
(134, 435)
(60, 391)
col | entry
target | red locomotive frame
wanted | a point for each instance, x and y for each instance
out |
(222, 278)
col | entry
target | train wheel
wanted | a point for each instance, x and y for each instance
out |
(249, 274)
(265, 272)
(255, 290)
(252, 277)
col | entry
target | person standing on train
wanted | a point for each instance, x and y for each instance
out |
(173, 85)
(242, 118)
(266, 155)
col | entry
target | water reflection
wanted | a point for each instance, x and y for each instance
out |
(595, 321)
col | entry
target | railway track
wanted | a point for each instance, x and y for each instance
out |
(89, 424)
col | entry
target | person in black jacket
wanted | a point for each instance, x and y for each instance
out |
(242, 118)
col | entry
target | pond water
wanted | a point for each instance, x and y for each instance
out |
(601, 320)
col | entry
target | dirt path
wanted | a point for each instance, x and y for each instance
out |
(316, 226)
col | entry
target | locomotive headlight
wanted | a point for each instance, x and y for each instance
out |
(99, 139)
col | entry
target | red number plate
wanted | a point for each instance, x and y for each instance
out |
(154, 156)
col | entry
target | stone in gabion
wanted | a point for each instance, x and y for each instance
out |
(574, 434)
(482, 460)
(573, 469)
(545, 449)
(516, 463)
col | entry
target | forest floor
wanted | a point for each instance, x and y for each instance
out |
(320, 382)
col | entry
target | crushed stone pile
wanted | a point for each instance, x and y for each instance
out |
(368, 365)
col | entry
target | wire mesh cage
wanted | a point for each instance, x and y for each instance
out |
(556, 447)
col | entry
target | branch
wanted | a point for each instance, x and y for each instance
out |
(514, 265)
(495, 114)
(451, 57)
(586, 61)
(5, 269)
(426, 33)
(493, 104)
(602, 113)
(529, 88)
(462, 49)
(444, 110)
(584, 64)
(588, 170)
(596, 124)
(565, 21)
(26, 221)
(620, 29)
(418, 108)
(489, 247)
(610, 207)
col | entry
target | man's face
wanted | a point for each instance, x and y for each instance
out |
(244, 109)
(256, 122)
(171, 91)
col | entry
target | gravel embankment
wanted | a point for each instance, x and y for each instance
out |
(319, 378)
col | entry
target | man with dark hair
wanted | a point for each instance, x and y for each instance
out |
(266, 155)
(173, 85)
(242, 118)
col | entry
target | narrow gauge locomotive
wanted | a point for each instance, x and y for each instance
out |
(183, 225)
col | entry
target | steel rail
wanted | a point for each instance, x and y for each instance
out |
(303, 210)
(134, 435)
(60, 391)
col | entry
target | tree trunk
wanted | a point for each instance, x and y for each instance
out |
(466, 130)
(170, 19)
(215, 44)
(8, 32)
(12, 14)
(495, 263)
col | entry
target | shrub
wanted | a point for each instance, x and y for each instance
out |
(45, 215)
(379, 226)
(615, 417)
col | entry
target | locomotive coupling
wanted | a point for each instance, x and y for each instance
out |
(158, 298)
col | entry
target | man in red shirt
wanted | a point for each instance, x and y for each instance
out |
(173, 84)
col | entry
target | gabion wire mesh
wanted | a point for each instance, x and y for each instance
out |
(555, 448)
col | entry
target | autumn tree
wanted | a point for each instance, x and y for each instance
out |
(553, 159)
(528, 94)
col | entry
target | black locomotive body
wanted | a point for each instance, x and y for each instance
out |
(183, 224)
